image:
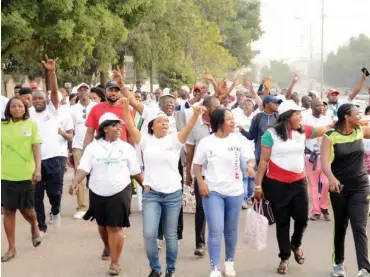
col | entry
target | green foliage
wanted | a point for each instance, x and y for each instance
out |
(280, 73)
(176, 76)
(342, 69)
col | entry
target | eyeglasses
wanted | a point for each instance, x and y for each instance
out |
(84, 113)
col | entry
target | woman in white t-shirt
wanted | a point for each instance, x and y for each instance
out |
(162, 196)
(219, 156)
(110, 162)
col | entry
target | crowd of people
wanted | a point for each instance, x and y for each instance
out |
(290, 150)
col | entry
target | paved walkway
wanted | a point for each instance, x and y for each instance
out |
(74, 251)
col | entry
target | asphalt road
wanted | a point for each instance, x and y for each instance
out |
(74, 251)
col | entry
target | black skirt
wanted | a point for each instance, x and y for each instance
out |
(110, 211)
(17, 194)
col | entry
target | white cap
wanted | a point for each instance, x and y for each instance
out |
(82, 85)
(109, 116)
(289, 105)
(159, 114)
(186, 88)
(166, 91)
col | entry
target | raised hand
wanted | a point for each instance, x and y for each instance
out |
(208, 76)
(117, 76)
(295, 78)
(124, 102)
(49, 64)
(199, 110)
(364, 77)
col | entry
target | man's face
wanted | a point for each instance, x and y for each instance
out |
(113, 94)
(158, 94)
(240, 96)
(333, 98)
(138, 96)
(272, 106)
(167, 105)
(39, 101)
(27, 99)
(317, 107)
(83, 93)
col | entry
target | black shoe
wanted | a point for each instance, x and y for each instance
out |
(170, 274)
(155, 274)
(200, 252)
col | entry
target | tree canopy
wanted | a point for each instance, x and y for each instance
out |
(343, 67)
(188, 37)
(280, 73)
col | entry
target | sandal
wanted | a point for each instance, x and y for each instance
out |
(36, 241)
(7, 257)
(283, 267)
(114, 270)
(299, 258)
(105, 255)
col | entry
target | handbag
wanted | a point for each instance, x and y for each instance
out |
(266, 208)
(256, 228)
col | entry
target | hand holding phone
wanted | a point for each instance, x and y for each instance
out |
(365, 71)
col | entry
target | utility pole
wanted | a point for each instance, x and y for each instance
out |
(322, 46)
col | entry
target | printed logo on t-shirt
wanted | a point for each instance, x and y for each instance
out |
(27, 134)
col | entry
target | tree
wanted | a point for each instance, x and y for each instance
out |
(280, 73)
(342, 69)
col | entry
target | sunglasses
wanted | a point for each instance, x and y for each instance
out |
(84, 111)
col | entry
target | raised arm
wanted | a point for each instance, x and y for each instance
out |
(358, 88)
(256, 97)
(290, 89)
(50, 66)
(130, 124)
(210, 78)
(185, 132)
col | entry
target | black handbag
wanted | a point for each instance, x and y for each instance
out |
(266, 207)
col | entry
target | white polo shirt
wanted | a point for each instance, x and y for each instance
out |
(79, 115)
(221, 159)
(110, 166)
(161, 157)
(49, 121)
(314, 144)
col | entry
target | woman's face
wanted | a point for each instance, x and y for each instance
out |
(160, 126)
(17, 109)
(354, 117)
(94, 97)
(229, 124)
(295, 120)
(248, 107)
(113, 132)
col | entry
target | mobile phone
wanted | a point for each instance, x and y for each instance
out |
(341, 188)
(364, 70)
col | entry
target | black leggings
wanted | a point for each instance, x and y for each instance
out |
(353, 207)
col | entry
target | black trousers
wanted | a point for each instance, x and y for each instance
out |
(200, 218)
(353, 207)
(52, 174)
(180, 224)
(288, 200)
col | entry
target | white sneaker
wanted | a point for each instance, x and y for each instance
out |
(79, 215)
(215, 273)
(50, 218)
(57, 220)
(160, 243)
(43, 234)
(229, 269)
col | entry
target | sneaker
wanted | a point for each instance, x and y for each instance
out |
(363, 273)
(170, 274)
(57, 220)
(250, 201)
(326, 215)
(160, 243)
(50, 218)
(229, 269)
(244, 206)
(215, 273)
(154, 273)
(315, 217)
(43, 234)
(79, 215)
(200, 252)
(338, 271)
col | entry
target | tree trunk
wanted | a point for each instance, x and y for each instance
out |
(47, 84)
(103, 77)
(151, 76)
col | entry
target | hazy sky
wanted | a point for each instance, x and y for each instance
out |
(288, 38)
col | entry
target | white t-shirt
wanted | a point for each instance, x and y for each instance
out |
(221, 158)
(49, 121)
(4, 102)
(110, 166)
(245, 121)
(79, 115)
(314, 144)
(161, 157)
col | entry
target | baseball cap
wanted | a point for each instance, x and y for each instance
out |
(83, 85)
(112, 84)
(185, 88)
(165, 96)
(273, 99)
(289, 105)
(109, 116)
(333, 91)
(200, 87)
(34, 86)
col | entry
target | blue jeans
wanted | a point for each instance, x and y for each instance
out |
(155, 206)
(222, 214)
(248, 183)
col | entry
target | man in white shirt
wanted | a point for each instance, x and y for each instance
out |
(56, 129)
(318, 182)
(79, 113)
(4, 102)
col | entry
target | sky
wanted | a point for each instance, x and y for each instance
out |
(286, 26)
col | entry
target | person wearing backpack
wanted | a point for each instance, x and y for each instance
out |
(260, 121)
